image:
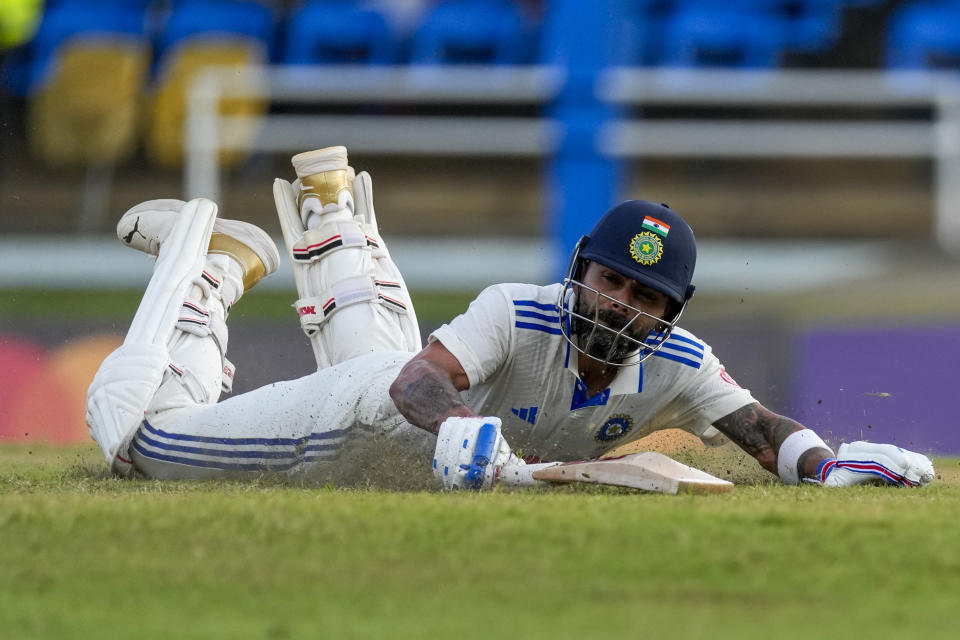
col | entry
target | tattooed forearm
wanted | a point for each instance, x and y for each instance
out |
(758, 431)
(426, 396)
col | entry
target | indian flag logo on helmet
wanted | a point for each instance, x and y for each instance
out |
(646, 248)
(657, 226)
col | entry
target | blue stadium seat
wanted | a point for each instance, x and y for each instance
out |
(924, 36)
(68, 21)
(813, 26)
(213, 19)
(807, 26)
(642, 31)
(100, 5)
(729, 34)
(200, 34)
(472, 32)
(87, 67)
(15, 72)
(331, 32)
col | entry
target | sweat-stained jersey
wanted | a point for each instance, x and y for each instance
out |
(522, 370)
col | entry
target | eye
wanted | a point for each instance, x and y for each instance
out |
(648, 296)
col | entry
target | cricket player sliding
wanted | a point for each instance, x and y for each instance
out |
(548, 373)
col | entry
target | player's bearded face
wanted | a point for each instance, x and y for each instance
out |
(604, 343)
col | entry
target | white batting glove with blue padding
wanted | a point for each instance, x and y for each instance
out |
(867, 463)
(470, 453)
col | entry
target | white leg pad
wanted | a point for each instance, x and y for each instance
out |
(118, 397)
(352, 298)
(292, 227)
(129, 377)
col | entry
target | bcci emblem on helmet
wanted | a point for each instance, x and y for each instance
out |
(646, 248)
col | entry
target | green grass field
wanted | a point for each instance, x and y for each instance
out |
(86, 555)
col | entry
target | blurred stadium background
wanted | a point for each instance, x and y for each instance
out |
(814, 145)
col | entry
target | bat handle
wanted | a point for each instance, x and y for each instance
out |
(521, 475)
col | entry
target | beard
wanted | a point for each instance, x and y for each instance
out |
(601, 341)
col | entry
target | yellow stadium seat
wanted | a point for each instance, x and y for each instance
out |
(87, 112)
(167, 111)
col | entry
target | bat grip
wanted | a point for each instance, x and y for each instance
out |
(521, 475)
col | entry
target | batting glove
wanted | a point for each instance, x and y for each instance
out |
(470, 453)
(866, 463)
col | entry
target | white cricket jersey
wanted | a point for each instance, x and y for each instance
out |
(522, 370)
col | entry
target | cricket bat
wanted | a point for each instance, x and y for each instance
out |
(650, 471)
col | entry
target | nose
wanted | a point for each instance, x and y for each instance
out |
(618, 298)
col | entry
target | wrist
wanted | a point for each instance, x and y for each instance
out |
(459, 411)
(811, 462)
(801, 445)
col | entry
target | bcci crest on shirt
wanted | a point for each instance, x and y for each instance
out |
(619, 425)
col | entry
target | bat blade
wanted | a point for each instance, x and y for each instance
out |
(650, 471)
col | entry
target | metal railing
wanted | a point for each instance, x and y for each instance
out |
(207, 134)
(618, 137)
(937, 139)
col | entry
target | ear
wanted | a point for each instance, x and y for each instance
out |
(673, 308)
(581, 269)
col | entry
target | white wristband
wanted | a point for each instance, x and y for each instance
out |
(796, 444)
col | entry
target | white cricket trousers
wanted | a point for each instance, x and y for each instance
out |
(283, 427)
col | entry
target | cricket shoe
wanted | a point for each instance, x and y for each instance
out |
(145, 226)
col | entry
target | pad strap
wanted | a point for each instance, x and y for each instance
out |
(197, 319)
(196, 316)
(194, 386)
(190, 382)
(314, 311)
(323, 240)
(796, 444)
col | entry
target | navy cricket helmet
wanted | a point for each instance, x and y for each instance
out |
(643, 241)
(647, 242)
